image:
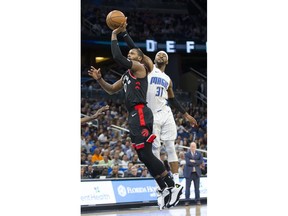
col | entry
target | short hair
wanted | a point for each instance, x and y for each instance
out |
(139, 52)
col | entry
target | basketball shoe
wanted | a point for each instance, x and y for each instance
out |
(163, 197)
(176, 192)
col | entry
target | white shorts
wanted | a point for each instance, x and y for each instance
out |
(164, 126)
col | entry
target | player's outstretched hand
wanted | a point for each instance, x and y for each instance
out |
(192, 120)
(100, 111)
(95, 73)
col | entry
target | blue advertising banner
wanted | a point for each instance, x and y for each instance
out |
(129, 191)
(135, 190)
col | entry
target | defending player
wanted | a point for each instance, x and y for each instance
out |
(160, 89)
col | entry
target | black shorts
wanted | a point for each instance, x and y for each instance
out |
(140, 123)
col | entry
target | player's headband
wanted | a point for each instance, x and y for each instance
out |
(163, 53)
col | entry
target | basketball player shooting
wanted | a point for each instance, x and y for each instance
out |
(140, 120)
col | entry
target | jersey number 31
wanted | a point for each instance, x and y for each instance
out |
(159, 91)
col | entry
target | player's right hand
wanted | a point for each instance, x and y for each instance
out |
(95, 73)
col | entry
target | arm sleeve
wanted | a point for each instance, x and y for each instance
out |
(174, 103)
(118, 57)
(129, 40)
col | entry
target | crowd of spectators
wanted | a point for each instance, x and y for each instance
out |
(146, 23)
(108, 153)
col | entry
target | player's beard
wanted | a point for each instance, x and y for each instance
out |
(160, 63)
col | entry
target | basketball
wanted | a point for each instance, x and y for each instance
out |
(114, 19)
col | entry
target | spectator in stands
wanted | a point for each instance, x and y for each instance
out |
(127, 145)
(118, 149)
(105, 162)
(103, 136)
(115, 173)
(83, 158)
(105, 147)
(134, 172)
(128, 171)
(96, 156)
(179, 141)
(145, 173)
(203, 168)
(90, 173)
(107, 152)
(185, 142)
(96, 145)
(191, 138)
(104, 172)
(203, 147)
(181, 168)
(113, 142)
(113, 112)
(135, 159)
(181, 157)
(83, 140)
(125, 161)
(83, 170)
(116, 160)
(83, 150)
(181, 130)
(130, 152)
(89, 159)
(87, 144)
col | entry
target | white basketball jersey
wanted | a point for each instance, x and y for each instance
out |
(157, 95)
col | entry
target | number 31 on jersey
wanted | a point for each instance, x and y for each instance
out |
(159, 91)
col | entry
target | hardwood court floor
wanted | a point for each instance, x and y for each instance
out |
(192, 210)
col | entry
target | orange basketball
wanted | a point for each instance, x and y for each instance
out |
(114, 19)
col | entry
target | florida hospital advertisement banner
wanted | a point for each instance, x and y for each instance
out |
(128, 190)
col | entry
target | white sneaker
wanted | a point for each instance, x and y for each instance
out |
(176, 192)
(163, 197)
(176, 178)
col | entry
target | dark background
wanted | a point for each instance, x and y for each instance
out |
(158, 20)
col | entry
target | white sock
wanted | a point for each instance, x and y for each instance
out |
(176, 178)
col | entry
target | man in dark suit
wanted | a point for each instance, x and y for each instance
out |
(192, 171)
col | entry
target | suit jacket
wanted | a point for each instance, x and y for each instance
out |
(189, 165)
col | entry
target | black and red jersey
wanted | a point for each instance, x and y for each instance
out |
(135, 90)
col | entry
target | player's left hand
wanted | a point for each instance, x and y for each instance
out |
(192, 120)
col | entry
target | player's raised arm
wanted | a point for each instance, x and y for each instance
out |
(115, 49)
(130, 43)
(138, 69)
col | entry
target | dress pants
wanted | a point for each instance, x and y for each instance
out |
(196, 180)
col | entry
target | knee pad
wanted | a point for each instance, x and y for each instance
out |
(171, 152)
